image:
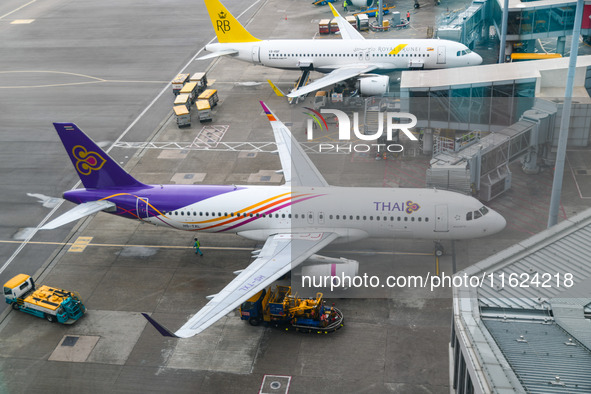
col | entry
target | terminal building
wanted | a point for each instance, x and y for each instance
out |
(527, 329)
(528, 21)
(505, 112)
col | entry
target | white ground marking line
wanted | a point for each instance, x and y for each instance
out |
(15, 10)
(166, 88)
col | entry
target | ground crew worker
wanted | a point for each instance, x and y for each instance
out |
(345, 5)
(197, 246)
(408, 16)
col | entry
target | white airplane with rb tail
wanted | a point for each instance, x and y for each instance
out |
(351, 57)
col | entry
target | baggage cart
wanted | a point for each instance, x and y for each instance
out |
(190, 88)
(183, 99)
(211, 95)
(324, 26)
(204, 111)
(201, 80)
(178, 82)
(183, 116)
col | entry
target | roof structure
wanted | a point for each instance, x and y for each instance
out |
(527, 324)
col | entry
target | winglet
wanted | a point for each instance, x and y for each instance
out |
(277, 91)
(161, 329)
(334, 11)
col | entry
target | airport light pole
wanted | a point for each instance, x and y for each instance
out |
(565, 121)
(503, 37)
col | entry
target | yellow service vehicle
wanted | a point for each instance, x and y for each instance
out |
(279, 307)
(45, 302)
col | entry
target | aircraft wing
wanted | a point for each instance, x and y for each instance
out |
(337, 75)
(224, 52)
(79, 211)
(348, 32)
(298, 169)
(280, 254)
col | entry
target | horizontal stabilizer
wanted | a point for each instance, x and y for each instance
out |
(79, 211)
(277, 91)
(225, 52)
(161, 329)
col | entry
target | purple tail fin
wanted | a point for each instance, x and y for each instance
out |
(96, 169)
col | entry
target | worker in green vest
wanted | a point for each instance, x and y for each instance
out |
(197, 246)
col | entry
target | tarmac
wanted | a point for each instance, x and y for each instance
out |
(106, 67)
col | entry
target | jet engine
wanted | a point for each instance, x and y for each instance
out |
(362, 3)
(374, 86)
(324, 268)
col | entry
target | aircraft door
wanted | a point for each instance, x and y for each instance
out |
(441, 218)
(310, 217)
(441, 55)
(142, 208)
(255, 51)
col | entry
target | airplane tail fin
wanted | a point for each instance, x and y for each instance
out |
(227, 28)
(96, 169)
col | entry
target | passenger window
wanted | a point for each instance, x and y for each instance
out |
(419, 219)
(426, 219)
(182, 213)
(406, 218)
(412, 218)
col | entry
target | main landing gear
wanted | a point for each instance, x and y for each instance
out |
(439, 250)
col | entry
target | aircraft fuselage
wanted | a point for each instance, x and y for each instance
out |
(256, 212)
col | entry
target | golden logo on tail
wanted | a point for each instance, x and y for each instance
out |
(227, 28)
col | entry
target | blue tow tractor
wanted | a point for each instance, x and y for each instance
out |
(279, 308)
(46, 302)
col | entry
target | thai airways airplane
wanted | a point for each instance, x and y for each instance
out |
(351, 57)
(294, 220)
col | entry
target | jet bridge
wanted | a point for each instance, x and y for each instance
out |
(480, 166)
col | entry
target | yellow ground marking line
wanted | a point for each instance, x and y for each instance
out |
(80, 244)
(16, 9)
(361, 252)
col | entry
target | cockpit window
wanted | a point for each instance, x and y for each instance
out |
(477, 214)
(484, 210)
(469, 216)
(464, 52)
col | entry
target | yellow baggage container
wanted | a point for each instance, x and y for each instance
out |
(178, 82)
(183, 99)
(204, 111)
(201, 80)
(183, 116)
(211, 95)
(190, 88)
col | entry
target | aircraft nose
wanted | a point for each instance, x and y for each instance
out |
(498, 222)
(477, 59)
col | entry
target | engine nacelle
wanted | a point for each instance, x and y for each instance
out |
(374, 86)
(362, 3)
(324, 272)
